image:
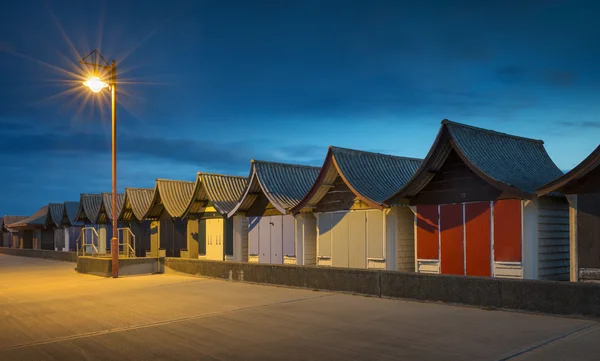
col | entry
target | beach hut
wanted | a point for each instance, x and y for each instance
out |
(30, 229)
(274, 235)
(477, 209)
(69, 227)
(582, 187)
(354, 227)
(213, 197)
(51, 232)
(105, 220)
(135, 205)
(169, 203)
(10, 237)
(87, 214)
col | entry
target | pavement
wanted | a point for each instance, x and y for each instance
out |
(50, 312)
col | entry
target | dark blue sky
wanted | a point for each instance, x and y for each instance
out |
(210, 84)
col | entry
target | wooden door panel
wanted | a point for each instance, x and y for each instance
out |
(478, 239)
(451, 237)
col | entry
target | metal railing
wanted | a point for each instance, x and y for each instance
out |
(87, 242)
(125, 237)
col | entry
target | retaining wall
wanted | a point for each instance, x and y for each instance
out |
(537, 296)
(40, 253)
(102, 266)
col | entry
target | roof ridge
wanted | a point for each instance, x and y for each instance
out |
(173, 180)
(138, 188)
(375, 153)
(221, 175)
(450, 122)
(284, 164)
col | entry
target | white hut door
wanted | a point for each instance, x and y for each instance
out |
(276, 239)
(357, 240)
(339, 239)
(214, 239)
(264, 240)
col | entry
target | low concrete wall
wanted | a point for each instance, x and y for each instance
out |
(589, 274)
(102, 266)
(535, 296)
(335, 279)
(40, 253)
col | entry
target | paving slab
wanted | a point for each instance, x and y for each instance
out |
(50, 312)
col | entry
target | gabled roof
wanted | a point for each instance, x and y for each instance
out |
(89, 208)
(283, 184)
(56, 212)
(513, 164)
(372, 177)
(70, 214)
(574, 177)
(172, 196)
(35, 221)
(6, 220)
(105, 213)
(136, 203)
(222, 191)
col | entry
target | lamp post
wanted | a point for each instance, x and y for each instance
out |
(96, 85)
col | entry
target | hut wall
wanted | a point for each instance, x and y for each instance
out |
(306, 239)
(400, 229)
(47, 239)
(26, 239)
(141, 231)
(455, 183)
(588, 230)
(240, 238)
(59, 239)
(6, 239)
(16, 239)
(553, 239)
(192, 238)
(154, 238)
(172, 235)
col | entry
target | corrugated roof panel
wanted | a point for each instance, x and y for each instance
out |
(171, 195)
(137, 202)
(282, 183)
(221, 190)
(89, 207)
(285, 184)
(6, 220)
(56, 213)
(70, 213)
(36, 220)
(105, 214)
(375, 176)
(518, 162)
(573, 177)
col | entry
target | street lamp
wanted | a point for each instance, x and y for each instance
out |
(96, 85)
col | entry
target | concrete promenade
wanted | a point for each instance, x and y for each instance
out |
(50, 312)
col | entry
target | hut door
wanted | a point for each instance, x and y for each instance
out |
(47, 239)
(214, 239)
(339, 239)
(27, 239)
(357, 239)
(289, 233)
(264, 240)
(276, 223)
(478, 239)
(253, 236)
(452, 239)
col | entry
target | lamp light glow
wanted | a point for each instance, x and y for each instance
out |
(95, 84)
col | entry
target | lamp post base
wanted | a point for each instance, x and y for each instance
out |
(114, 250)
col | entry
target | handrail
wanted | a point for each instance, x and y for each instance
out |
(84, 244)
(127, 248)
